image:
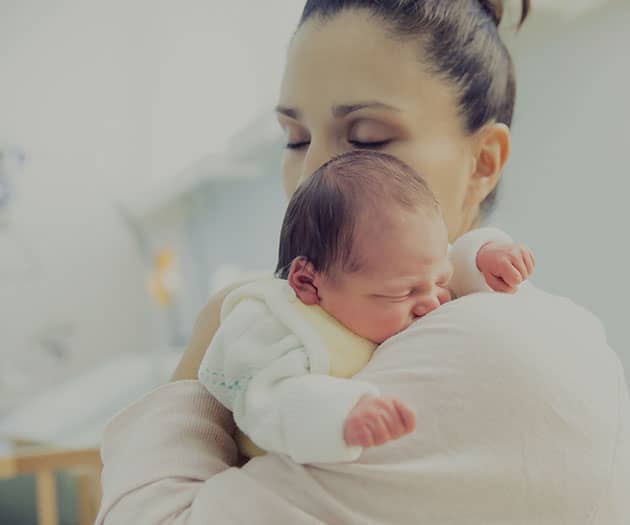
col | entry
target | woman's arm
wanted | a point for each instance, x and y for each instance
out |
(167, 460)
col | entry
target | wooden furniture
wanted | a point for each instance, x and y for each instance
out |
(83, 464)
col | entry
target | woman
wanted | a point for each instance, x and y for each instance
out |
(522, 409)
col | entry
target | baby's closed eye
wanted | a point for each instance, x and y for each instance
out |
(393, 297)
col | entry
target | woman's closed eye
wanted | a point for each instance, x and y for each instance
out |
(360, 134)
(296, 136)
(297, 145)
(297, 140)
(369, 145)
(354, 143)
(370, 134)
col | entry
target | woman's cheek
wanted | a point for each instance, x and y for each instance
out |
(404, 150)
(290, 173)
(447, 178)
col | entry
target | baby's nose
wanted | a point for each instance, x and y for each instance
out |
(425, 306)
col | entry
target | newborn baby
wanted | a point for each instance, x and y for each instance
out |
(363, 254)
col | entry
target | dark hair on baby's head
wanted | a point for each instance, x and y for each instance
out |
(321, 219)
(460, 42)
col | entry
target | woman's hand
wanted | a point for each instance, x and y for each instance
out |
(505, 265)
(206, 326)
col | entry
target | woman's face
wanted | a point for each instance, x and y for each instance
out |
(348, 85)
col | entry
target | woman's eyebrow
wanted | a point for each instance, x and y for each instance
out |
(343, 110)
(338, 111)
(289, 112)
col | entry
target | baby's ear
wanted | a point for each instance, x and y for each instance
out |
(302, 279)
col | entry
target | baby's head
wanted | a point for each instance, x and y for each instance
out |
(364, 238)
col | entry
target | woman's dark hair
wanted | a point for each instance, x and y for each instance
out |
(461, 43)
(320, 221)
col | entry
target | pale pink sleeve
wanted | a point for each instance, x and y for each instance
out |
(167, 459)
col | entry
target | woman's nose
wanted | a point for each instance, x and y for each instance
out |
(424, 306)
(318, 153)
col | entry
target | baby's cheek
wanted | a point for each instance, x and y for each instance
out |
(371, 326)
(444, 295)
(396, 320)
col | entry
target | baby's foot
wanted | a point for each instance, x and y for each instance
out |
(374, 421)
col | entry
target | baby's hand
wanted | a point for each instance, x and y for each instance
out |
(375, 421)
(505, 266)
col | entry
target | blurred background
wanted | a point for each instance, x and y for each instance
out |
(139, 173)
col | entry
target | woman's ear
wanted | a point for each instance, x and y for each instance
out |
(493, 151)
(302, 276)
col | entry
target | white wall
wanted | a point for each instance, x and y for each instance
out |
(218, 66)
(566, 189)
(73, 96)
(104, 97)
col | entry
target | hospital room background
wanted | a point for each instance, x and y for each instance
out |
(139, 173)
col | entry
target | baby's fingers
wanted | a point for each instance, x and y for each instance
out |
(518, 262)
(391, 420)
(357, 433)
(498, 284)
(380, 432)
(406, 416)
(528, 257)
(510, 273)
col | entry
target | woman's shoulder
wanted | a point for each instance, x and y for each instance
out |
(538, 329)
(518, 388)
(529, 316)
(533, 340)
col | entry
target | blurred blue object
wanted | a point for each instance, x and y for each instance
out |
(11, 160)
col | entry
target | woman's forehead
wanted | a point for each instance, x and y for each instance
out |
(350, 58)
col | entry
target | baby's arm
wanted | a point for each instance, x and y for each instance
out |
(261, 372)
(487, 259)
(317, 418)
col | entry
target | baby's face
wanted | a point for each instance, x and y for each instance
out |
(404, 275)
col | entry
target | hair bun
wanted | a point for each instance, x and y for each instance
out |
(495, 9)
